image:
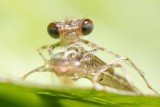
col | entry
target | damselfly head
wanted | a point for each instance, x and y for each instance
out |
(70, 31)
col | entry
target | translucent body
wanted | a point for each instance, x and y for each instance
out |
(84, 64)
(74, 61)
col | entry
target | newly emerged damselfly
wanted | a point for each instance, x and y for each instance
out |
(74, 61)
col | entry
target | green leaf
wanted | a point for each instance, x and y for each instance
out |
(12, 95)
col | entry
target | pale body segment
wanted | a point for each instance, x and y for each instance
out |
(76, 62)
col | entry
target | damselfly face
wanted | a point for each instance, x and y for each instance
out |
(69, 31)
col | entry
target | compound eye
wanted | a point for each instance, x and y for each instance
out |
(87, 26)
(53, 30)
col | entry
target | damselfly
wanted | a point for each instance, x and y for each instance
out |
(75, 61)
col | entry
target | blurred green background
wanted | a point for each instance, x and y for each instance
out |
(128, 27)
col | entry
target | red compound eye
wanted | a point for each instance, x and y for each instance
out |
(53, 30)
(87, 26)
